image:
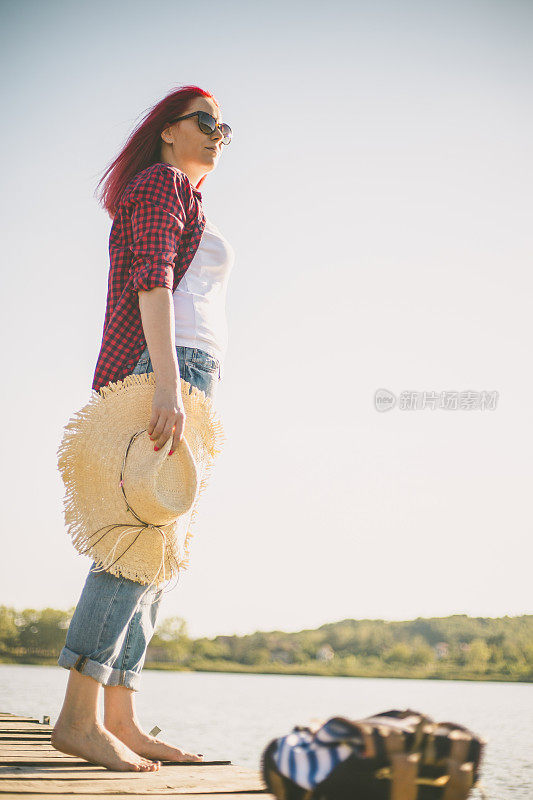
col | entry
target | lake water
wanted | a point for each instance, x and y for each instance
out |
(234, 716)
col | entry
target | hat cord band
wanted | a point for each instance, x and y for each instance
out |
(143, 523)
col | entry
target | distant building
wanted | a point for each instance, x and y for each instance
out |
(326, 653)
(280, 655)
(442, 649)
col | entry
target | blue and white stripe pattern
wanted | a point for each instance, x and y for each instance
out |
(307, 757)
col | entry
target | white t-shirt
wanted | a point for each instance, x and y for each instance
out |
(200, 296)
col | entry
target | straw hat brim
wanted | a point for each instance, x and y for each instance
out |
(90, 459)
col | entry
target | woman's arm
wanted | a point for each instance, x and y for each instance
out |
(168, 413)
(159, 205)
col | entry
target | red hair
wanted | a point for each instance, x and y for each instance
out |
(143, 146)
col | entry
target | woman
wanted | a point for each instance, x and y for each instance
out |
(165, 312)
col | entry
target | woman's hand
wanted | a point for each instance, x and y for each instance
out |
(168, 416)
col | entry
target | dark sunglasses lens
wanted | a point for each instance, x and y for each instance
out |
(226, 133)
(206, 122)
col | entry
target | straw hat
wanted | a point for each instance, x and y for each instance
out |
(128, 507)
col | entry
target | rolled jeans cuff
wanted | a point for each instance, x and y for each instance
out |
(108, 676)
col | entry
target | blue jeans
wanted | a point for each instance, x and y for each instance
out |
(115, 617)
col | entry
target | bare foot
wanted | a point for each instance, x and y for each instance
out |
(148, 746)
(99, 746)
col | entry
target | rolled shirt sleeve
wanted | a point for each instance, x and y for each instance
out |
(158, 219)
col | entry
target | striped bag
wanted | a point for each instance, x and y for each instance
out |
(394, 755)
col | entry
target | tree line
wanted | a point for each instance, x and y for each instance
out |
(454, 647)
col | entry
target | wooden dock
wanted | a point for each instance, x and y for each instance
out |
(29, 765)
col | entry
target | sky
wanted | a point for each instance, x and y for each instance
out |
(377, 194)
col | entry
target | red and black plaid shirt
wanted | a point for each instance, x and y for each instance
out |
(155, 234)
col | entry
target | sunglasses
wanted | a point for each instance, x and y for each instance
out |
(208, 125)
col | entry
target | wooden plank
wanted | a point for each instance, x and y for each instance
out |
(153, 796)
(43, 758)
(189, 772)
(31, 750)
(8, 748)
(24, 737)
(46, 759)
(29, 765)
(191, 778)
(48, 751)
(42, 731)
(16, 747)
(144, 790)
(56, 758)
(24, 727)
